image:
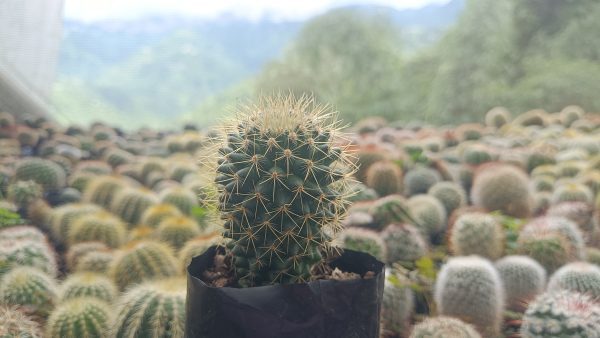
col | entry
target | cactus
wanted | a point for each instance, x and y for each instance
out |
(429, 214)
(523, 279)
(570, 114)
(535, 117)
(15, 253)
(22, 193)
(497, 117)
(77, 251)
(404, 243)
(360, 192)
(560, 225)
(22, 233)
(390, 209)
(142, 261)
(593, 255)
(579, 212)
(29, 288)
(571, 168)
(88, 284)
(46, 173)
(561, 314)
(363, 240)
(451, 195)
(385, 178)
(545, 170)
(469, 288)
(95, 261)
(397, 307)
(155, 309)
(476, 154)
(80, 317)
(93, 167)
(364, 160)
(63, 218)
(80, 180)
(543, 183)
(419, 180)
(443, 327)
(157, 213)
(184, 199)
(578, 277)
(14, 323)
(503, 188)
(177, 230)
(539, 157)
(196, 247)
(180, 170)
(130, 204)
(572, 192)
(283, 190)
(477, 234)
(550, 249)
(98, 227)
(102, 189)
(6, 120)
(117, 157)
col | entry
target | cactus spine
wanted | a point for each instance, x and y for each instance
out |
(523, 279)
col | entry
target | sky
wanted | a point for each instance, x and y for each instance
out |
(94, 10)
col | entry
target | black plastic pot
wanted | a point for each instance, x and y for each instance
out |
(322, 308)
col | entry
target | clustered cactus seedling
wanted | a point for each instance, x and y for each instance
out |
(283, 190)
(523, 279)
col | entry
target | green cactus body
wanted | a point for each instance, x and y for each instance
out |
(63, 218)
(385, 178)
(29, 288)
(476, 154)
(16, 253)
(397, 307)
(364, 160)
(80, 180)
(451, 195)
(470, 288)
(429, 214)
(558, 225)
(116, 157)
(419, 180)
(177, 230)
(88, 284)
(283, 190)
(404, 243)
(504, 188)
(157, 213)
(15, 324)
(154, 310)
(477, 234)
(578, 277)
(184, 199)
(180, 170)
(46, 173)
(444, 327)
(22, 193)
(101, 190)
(561, 314)
(149, 166)
(390, 209)
(523, 279)
(130, 204)
(535, 117)
(94, 167)
(572, 192)
(363, 240)
(95, 261)
(571, 168)
(497, 117)
(543, 183)
(143, 261)
(80, 317)
(538, 158)
(196, 247)
(98, 227)
(77, 251)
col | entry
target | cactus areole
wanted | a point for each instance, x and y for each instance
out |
(283, 187)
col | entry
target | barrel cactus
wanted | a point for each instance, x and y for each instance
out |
(46, 173)
(404, 243)
(523, 279)
(364, 160)
(177, 230)
(429, 214)
(15, 253)
(578, 277)
(101, 227)
(477, 234)
(29, 288)
(63, 217)
(283, 189)
(78, 250)
(88, 284)
(504, 188)
(419, 180)
(363, 240)
(102, 190)
(95, 261)
(130, 204)
(470, 288)
(476, 154)
(22, 233)
(80, 317)
(497, 117)
(158, 212)
(155, 309)
(385, 178)
(14, 323)
(397, 307)
(22, 193)
(444, 327)
(184, 199)
(451, 194)
(388, 210)
(561, 314)
(572, 192)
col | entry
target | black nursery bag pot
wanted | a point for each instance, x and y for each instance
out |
(318, 309)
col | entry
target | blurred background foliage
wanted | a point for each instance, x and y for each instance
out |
(446, 64)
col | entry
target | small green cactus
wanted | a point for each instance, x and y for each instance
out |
(155, 309)
(497, 117)
(101, 227)
(385, 178)
(419, 180)
(561, 314)
(572, 192)
(578, 277)
(14, 323)
(451, 194)
(95, 261)
(142, 261)
(579, 212)
(476, 154)
(571, 168)
(15, 253)
(443, 327)
(80, 317)
(429, 214)
(176, 231)
(116, 157)
(397, 307)
(558, 225)
(404, 243)
(363, 240)
(196, 247)
(477, 234)
(470, 288)
(77, 251)
(535, 117)
(63, 217)
(88, 284)
(360, 192)
(364, 160)
(543, 183)
(523, 279)
(157, 213)
(29, 288)
(184, 199)
(539, 157)
(22, 193)
(46, 173)
(504, 188)
(130, 204)
(102, 190)
(390, 209)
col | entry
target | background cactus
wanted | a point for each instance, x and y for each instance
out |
(443, 327)
(419, 180)
(80, 317)
(177, 230)
(78, 250)
(101, 227)
(63, 217)
(143, 261)
(154, 309)
(477, 234)
(30, 289)
(364, 160)
(561, 314)
(95, 261)
(363, 240)
(404, 243)
(397, 307)
(429, 214)
(504, 188)
(87, 284)
(14, 323)
(184, 199)
(523, 279)
(385, 178)
(46, 173)
(469, 288)
(157, 212)
(388, 210)
(450, 194)
(283, 189)
(497, 117)
(196, 247)
(572, 192)
(22, 193)
(102, 190)
(15, 253)
(578, 277)
(130, 204)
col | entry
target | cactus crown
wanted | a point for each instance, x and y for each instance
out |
(283, 189)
